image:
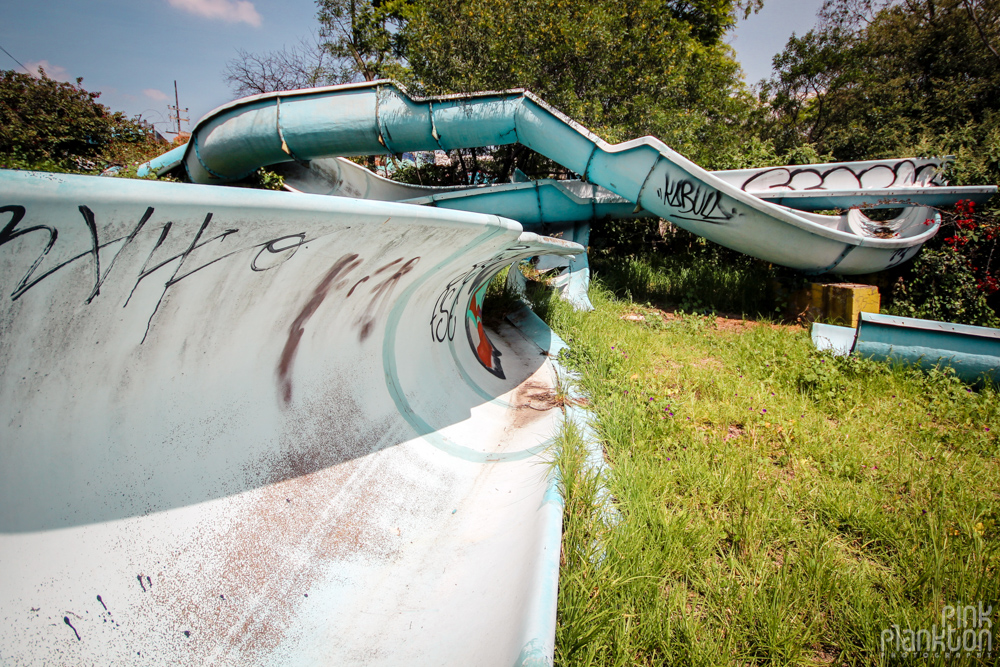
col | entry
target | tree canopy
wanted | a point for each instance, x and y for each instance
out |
(623, 68)
(895, 78)
(885, 78)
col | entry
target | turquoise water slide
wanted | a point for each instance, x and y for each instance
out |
(972, 352)
(241, 427)
(730, 208)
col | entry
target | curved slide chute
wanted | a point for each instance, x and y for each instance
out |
(847, 185)
(378, 117)
(868, 184)
(242, 427)
(536, 204)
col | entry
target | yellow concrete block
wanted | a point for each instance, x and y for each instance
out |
(836, 303)
(844, 302)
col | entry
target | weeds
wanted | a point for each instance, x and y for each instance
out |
(776, 505)
(691, 283)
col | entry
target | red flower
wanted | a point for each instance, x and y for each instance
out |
(964, 206)
(988, 284)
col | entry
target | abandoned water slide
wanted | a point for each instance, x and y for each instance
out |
(246, 427)
(379, 117)
(896, 183)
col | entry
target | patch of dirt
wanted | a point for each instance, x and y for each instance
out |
(825, 655)
(723, 321)
(735, 431)
(784, 473)
(663, 364)
(537, 396)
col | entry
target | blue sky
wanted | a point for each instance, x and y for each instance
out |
(762, 36)
(133, 50)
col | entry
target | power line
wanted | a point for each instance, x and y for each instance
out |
(15, 60)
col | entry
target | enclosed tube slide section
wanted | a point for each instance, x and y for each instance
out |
(377, 117)
(242, 427)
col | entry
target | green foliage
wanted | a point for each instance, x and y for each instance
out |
(943, 287)
(888, 78)
(475, 166)
(265, 179)
(954, 278)
(499, 300)
(53, 126)
(262, 179)
(709, 279)
(622, 238)
(43, 119)
(621, 69)
(364, 36)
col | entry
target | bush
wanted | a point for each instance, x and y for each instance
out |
(49, 125)
(953, 279)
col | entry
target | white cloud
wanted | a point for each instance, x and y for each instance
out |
(52, 71)
(233, 11)
(154, 94)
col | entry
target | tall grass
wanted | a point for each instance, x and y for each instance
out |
(777, 505)
(691, 282)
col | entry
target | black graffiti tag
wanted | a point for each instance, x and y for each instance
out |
(271, 253)
(443, 320)
(857, 174)
(9, 233)
(692, 200)
(284, 247)
(27, 283)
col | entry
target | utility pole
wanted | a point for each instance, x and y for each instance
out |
(176, 108)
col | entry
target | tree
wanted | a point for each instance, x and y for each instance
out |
(623, 68)
(364, 35)
(358, 40)
(888, 78)
(306, 65)
(882, 77)
(51, 125)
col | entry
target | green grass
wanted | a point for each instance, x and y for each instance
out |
(694, 282)
(775, 505)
